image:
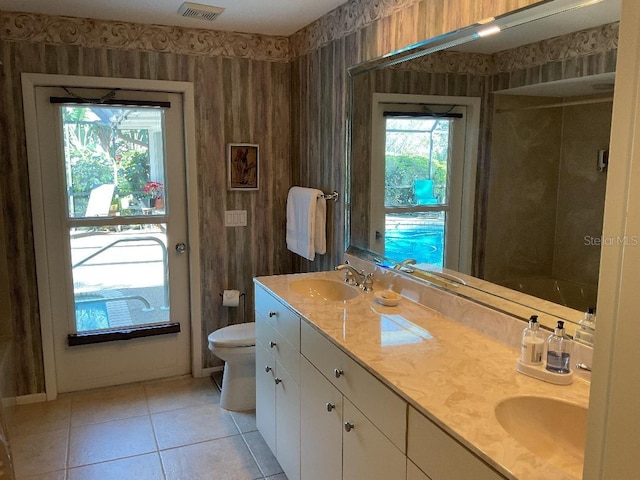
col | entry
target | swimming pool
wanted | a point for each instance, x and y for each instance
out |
(420, 237)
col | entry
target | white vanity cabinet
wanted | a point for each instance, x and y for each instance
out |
(327, 417)
(414, 473)
(440, 456)
(278, 380)
(353, 427)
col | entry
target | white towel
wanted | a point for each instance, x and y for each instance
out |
(320, 233)
(306, 222)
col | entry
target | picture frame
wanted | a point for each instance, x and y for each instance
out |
(243, 166)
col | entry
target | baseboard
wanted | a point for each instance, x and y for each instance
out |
(29, 399)
(206, 372)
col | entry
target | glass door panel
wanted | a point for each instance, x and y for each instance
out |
(120, 278)
(114, 164)
(114, 160)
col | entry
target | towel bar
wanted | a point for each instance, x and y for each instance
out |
(329, 196)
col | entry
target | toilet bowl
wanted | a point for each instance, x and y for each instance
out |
(236, 345)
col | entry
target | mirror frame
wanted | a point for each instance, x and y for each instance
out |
(548, 312)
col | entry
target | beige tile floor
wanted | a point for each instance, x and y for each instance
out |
(163, 430)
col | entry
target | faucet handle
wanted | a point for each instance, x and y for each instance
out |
(367, 284)
(348, 278)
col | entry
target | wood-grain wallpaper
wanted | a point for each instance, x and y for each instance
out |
(324, 52)
(237, 100)
(288, 95)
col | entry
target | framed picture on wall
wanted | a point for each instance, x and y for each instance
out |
(243, 166)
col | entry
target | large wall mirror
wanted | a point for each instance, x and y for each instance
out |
(478, 160)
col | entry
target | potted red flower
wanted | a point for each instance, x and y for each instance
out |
(156, 191)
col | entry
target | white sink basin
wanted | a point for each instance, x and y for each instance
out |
(552, 429)
(321, 289)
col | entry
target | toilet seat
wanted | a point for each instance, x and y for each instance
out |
(240, 335)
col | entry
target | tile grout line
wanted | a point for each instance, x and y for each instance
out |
(253, 456)
(153, 429)
(66, 463)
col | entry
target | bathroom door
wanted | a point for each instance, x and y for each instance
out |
(112, 170)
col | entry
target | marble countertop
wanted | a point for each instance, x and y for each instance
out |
(452, 374)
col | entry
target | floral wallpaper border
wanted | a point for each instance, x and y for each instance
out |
(601, 39)
(91, 33)
(342, 21)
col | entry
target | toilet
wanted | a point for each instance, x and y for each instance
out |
(236, 345)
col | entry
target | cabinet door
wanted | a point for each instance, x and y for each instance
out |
(414, 473)
(266, 395)
(320, 425)
(440, 456)
(366, 451)
(287, 423)
(381, 405)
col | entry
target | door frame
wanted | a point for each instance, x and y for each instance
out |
(31, 81)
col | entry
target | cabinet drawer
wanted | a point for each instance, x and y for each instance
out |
(381, 405)
(281, 318)
(284, 353)
(440, 456)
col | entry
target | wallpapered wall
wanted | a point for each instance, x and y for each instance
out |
(249, 88)
(237, 100)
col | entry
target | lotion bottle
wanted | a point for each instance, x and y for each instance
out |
(558, 354)
(532, 343)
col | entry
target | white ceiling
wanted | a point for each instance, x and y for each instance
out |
(269, 17)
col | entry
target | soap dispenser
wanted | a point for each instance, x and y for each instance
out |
(558, 354)
(532, 343)
(586, 328)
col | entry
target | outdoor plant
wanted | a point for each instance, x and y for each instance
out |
(154, 189)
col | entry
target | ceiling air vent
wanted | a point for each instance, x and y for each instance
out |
(198, 10)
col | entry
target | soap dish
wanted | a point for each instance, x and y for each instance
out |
(387, 297)
(543, 374)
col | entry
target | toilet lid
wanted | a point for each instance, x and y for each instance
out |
(241, 335)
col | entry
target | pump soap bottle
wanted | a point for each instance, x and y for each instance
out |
(532, 343)
(587, 328)
(558, 354)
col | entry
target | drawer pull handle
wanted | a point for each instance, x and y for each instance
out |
(272, 344)
(330, 406)
(338, 373)
(348, 426)
(268, 369)
(272, 314)
(277, 380)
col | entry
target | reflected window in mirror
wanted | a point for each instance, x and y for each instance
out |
(418, 160)
(531, 202)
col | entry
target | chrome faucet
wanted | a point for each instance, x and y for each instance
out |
(365, 280)
(404, 265)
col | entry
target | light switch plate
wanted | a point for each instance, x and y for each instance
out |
(235, 218)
